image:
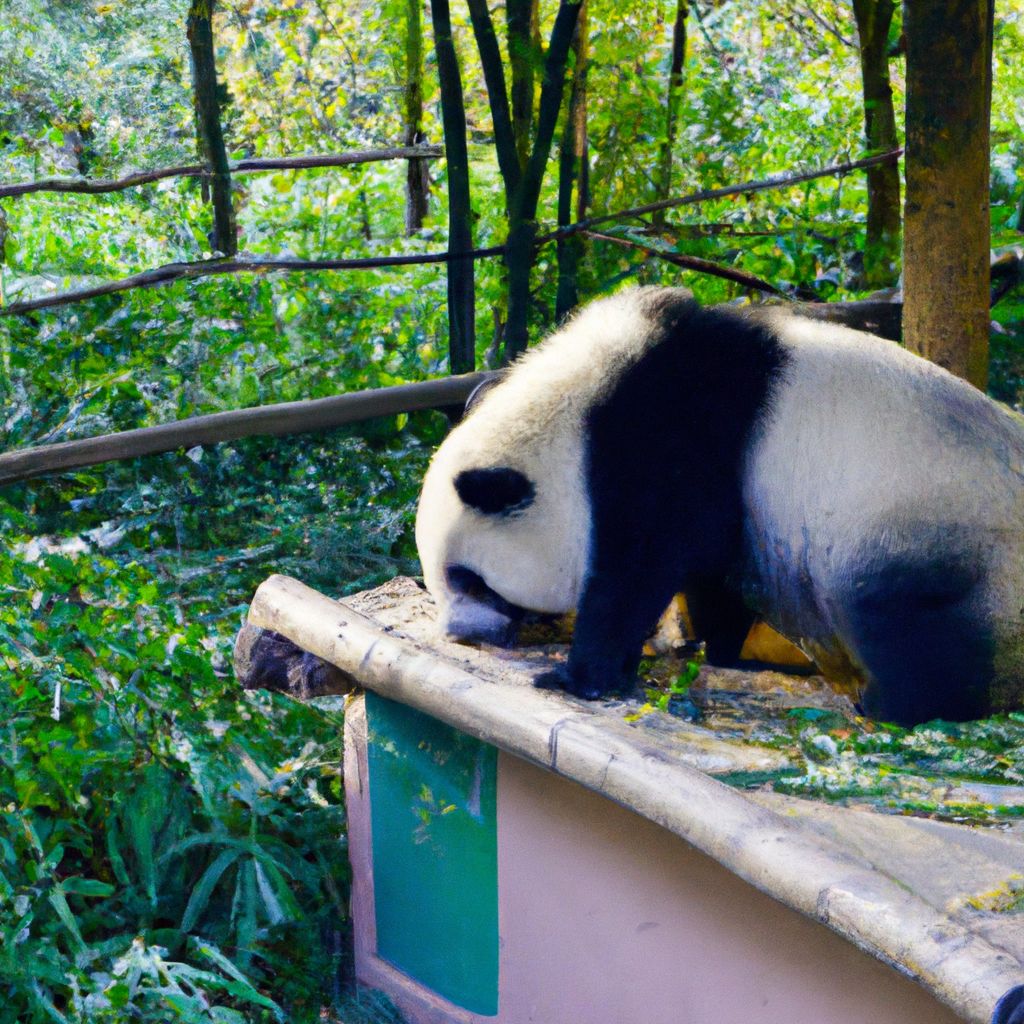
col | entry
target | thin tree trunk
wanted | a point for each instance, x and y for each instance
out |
(520, 254)
(461, 298)
(522, 182)
(366, 229)
(572, 170)
(522, 19)
(946, 227)
(672, 98)
(208, 126)
(509, 164)
(882, 241)
(417, 178)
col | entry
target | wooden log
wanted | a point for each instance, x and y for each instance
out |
(262, 420)
(245, 264)
(877, 317)
(252, 165)
(266, 660)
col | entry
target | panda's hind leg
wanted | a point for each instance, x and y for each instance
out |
(721, 619)
(920, 632)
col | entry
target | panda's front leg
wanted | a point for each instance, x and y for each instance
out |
(615, 616)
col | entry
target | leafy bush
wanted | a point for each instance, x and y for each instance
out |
(167, 843)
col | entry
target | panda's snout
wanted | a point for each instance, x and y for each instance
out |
(477, 614)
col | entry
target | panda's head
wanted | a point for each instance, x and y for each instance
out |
(502, 526)
(504, 523)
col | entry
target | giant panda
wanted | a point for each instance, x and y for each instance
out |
(864, 502)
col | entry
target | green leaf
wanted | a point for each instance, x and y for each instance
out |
(117, 864)
(243, 987)
(59, 903)
(87, 886)
(200, 895)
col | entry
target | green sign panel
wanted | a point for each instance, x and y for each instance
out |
(435, 857)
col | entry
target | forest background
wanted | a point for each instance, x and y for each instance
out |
(169, 846)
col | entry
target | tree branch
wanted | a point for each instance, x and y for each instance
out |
(209, 268)
(236, 265)
(280, 418)
(810, 12)
(777, 181)
(253, 165)
(692, 263)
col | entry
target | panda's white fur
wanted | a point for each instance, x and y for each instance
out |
(866, 438)
(861, 440)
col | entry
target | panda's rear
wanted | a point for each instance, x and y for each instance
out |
(885, 526)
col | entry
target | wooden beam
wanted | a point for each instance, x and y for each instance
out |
(263, 420)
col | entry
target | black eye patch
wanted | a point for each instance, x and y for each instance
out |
(498, 491)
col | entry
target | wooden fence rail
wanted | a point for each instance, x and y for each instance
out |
(98, 186)
(207, 268)
(262, 420)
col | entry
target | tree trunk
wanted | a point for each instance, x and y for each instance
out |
(211, 137)
(519, 257)
(461, 298)
(672, 97)
(522, 179)
(522, 20)
(509, 165)
(417, 178)
(882, 241)
(572, 176)
(946, 226)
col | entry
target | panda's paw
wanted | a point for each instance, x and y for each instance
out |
(1010, 1009)
(554, 679)
(579, 684)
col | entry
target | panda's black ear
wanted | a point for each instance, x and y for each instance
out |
(496, 491)
(482, 388)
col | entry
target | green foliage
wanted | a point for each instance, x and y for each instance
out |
(953, 771)
(165, 843)
(672, 697)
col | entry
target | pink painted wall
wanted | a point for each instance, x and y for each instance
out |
(605, 918)
(608, 919)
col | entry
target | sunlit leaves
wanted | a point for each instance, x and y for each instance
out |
(120, 743)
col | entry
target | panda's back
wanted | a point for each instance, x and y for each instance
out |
(869, 454)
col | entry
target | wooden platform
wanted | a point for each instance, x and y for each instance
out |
(631, 884)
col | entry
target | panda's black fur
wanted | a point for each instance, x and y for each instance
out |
(653, 449)
(677, 461)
